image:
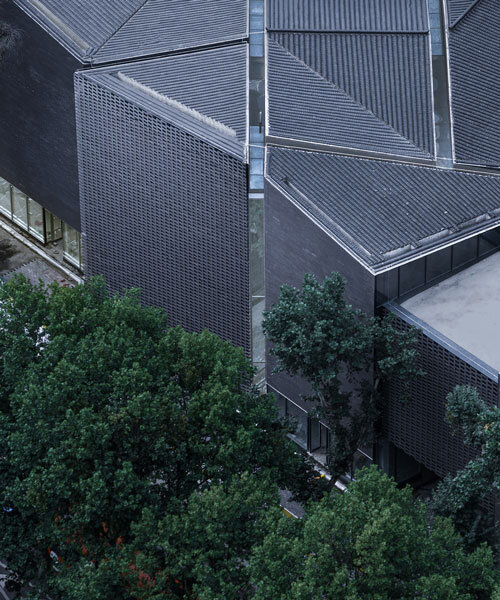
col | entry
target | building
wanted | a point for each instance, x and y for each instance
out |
(126, 130)
(383, 151)
(170, 141)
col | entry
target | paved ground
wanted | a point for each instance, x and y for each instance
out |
(15, 257)
(7, 592)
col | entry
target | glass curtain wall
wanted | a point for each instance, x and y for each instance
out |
(256, 109)
(405, 281)
(314, 437)
(5, 198)
(39, 222)
(72, 247)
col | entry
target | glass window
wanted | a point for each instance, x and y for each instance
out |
(438, 264)
(411, 276)
(72, 245)
(406, 466)
(281, 402)
(256, 217)
(489, 241)
(387, 286)
(5, 205)
(35, 219)
(359, 461)
(20, 208)
(464, 252)
(318, 442)
(315, 441)
(299, 419)
(53, 227)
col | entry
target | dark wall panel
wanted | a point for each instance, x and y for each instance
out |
(296, 246)
(164, 211)
(37, 114)
(418, 427)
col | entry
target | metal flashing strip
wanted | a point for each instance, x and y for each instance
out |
(48, 26)
(353, 31)
(64, 28)
(425, 251)
(443, 341)
(298, 144)
(318, 223)
(299, 179)
(387, 265)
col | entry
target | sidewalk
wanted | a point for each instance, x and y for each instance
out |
(17, 256)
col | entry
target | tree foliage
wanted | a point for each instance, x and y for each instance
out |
(373, 542)
(459, 496)
(129, 449)
(343, 353)
(9, 38)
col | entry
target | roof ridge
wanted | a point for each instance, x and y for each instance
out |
(202, 117)
(464, 13)
(347, 95)
(112, 35)
(352, 31)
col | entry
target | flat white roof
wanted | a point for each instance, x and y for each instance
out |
(466, 309)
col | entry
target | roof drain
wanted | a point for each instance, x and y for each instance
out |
(440, 83)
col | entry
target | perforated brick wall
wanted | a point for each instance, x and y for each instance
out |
(164, 211)
(418, 427)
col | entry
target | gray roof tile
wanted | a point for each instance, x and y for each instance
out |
(457, 9)
(204, 93)
(166, 25)
(384, 211)
(91, 21)
(211, 82)
(348, 15)
(366, 92)
(387, 74)
(100, 31)
(475, 84)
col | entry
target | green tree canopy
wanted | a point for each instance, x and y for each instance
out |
(459, 496)
(343, 353)
(374, 542)
(113, 427)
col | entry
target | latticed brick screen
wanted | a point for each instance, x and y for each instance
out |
(164, 211)
(418, 427)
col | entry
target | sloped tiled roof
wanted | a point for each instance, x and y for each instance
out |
(474, 43)
(204, 93)
(100, 31)
(363, 91)
(385, 211)
(211, 82)
(347, 15)
(457, 9)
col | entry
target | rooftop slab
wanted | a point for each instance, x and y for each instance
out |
(466, 309)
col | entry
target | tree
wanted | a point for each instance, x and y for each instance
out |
(345, 356)
(459, 496)
(9, 38)
(373, 542)
(113, 427)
